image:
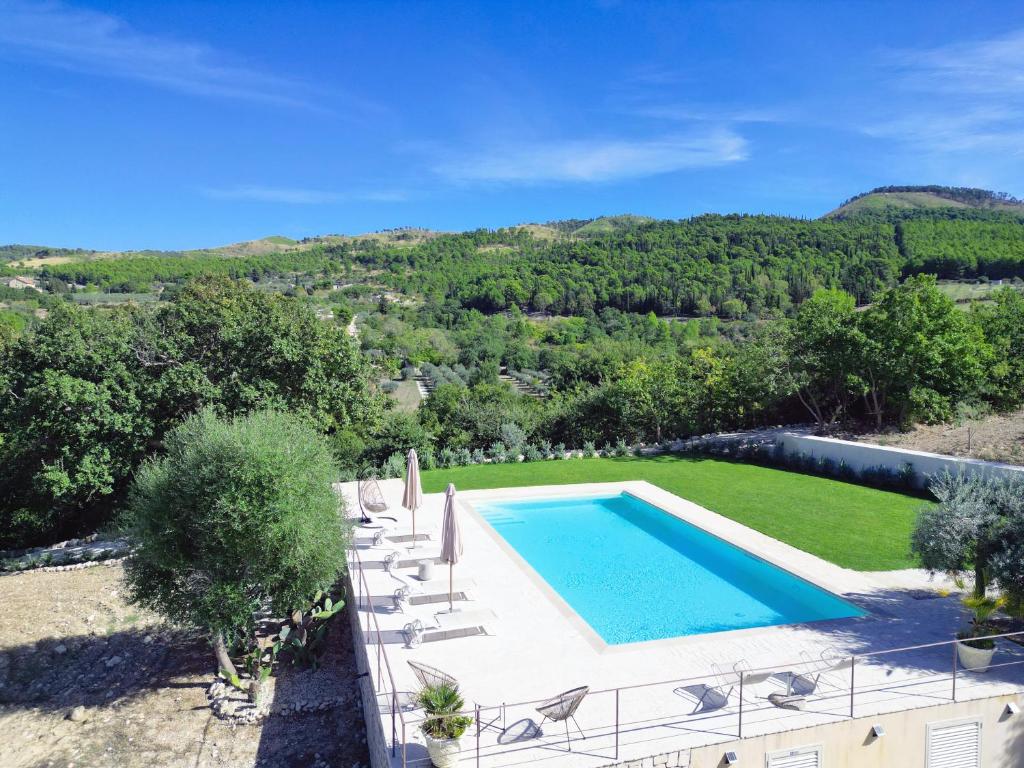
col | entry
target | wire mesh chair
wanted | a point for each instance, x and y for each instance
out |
(562, 708)
(371, 499)
(432, 677)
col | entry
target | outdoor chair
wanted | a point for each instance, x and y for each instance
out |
(827, 670)
(432, 677)
(562, 708)
(404, 558)
(461, 622)
(371, 499)
(752, 681)
(430, 591)
(709, 697)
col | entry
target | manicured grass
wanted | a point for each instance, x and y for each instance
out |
(853, 526)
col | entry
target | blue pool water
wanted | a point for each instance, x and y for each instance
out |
(635, 572)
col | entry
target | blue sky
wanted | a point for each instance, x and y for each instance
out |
(187, 124)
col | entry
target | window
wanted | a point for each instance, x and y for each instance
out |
(955, 744)
(801, 757)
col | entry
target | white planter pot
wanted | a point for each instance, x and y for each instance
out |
(444, 753)
(974, 659)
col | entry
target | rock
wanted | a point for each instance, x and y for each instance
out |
(113, 661)
(60, 649)
(78, 714)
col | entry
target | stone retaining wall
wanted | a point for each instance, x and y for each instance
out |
(376, 742)
(861, 456)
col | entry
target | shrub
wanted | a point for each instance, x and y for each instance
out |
(533, 453)
(237, 517)
(589, 449)
(513, 436)
(394, 466)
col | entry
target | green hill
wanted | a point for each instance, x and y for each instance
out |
(883, 201)
(605, 225)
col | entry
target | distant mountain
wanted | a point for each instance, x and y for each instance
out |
(898, 200)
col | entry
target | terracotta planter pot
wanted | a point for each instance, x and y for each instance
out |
(444, 753)
(974, 659)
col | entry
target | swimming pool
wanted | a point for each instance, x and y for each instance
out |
(634, 572)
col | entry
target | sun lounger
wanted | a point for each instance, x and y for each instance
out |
(449, 625)
(404, 558)
(753, 682)
(828, 669)
(710, 697)
(434, 591)
(378, 537)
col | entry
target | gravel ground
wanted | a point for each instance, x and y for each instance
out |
(87, 680)
(994, 438)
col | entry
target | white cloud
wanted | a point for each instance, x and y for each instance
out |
(994, 66)
(596, 160)
(962, 97)
(92, 42)
(299, 196)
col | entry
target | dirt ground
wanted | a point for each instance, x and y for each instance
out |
(994, 438)
(69, 640)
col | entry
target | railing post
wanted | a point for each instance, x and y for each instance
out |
(853, 664)
(954, 671)
(478, 735)
(394, 727)
(616, 723)
(404, 758)
(739, 733)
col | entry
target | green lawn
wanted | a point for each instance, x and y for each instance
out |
(850, 525)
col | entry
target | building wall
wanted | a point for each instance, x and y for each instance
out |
(849, 744)
(860, 456)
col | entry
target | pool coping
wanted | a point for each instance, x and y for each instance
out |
(840, 582)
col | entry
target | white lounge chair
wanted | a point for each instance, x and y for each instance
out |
(403, 558)
(710, 697)
(435, 590)
(753, 682)
(387, 536)
(448, 625)
(828, 669)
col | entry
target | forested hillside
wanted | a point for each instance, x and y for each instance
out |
(730, 266)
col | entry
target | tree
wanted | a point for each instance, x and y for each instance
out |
(825, 346)
(920, 355)
(87, 395)
(1002, 322)
(76, 421)
(648, 396)
(236, 518)
(977, 528)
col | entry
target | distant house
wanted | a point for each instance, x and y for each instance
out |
(23, 283)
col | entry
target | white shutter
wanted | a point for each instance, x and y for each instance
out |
(954, 745)
(803, 757)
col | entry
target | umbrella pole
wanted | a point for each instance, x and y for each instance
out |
(451, 602)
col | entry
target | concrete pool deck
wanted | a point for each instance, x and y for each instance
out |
(539, 647)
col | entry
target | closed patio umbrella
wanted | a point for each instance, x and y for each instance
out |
(412, 499)
(451, 539)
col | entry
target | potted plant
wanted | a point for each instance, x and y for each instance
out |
(443, 726)
(976, 654)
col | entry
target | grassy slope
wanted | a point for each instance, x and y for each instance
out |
(850, 525)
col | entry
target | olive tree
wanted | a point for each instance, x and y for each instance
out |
(238, 516)
(976, 529)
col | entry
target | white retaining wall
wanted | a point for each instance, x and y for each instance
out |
(860, 456)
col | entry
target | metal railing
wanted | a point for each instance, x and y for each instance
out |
(842, 703)
(383, 664)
